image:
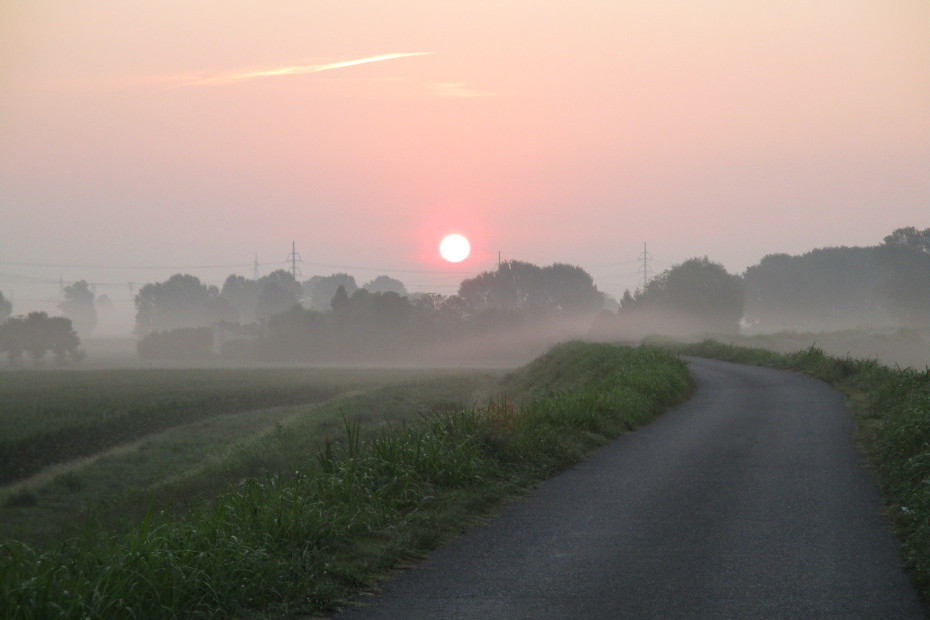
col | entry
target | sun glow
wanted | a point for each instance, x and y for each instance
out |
(454, 248)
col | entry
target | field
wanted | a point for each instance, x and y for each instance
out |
(265, 493)
(115, 441)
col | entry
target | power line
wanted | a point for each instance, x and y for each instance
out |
(123, 267)
(252, 265)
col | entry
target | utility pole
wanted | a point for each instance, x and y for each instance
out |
(646, 258)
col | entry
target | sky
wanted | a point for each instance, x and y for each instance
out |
(139, 140)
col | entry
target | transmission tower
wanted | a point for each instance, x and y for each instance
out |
(645, 256)
(255, 274)
(294, 258)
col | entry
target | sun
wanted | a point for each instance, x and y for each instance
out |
(454, 248)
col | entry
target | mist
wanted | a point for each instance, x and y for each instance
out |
(871, 302)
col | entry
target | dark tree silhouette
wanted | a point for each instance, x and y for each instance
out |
(843, 287)
(38, 334)
(695, 296)
(181, 301)
(910, 237)
(279, 292)
(6, 308)
(320, 290)
(340, 302)
(537, 292)
(78, 306)
(242, 294)
(386, 284)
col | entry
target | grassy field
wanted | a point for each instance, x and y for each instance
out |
(53, 416)
(116, 442)
(276, 523)
(892, 409)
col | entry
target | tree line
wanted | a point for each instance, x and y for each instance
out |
(331, 318)
(844, 287)
(828, 289)
(515, 309)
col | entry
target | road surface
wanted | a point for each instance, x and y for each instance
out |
(748, 501)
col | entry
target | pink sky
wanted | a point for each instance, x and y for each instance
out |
(138, 140)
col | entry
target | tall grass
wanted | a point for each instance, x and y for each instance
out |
(892, 408)
(301, 543)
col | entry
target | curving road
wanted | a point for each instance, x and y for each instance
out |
(748, 501)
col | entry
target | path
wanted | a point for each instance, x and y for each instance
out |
(748, 501)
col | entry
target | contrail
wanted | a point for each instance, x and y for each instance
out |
(299, 69)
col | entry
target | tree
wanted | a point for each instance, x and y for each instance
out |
(79, 306)
(843, 287)
(298, 333)
(390, 310)
(242, 294)
(571, 289)
(905, 283)
(320, 290)
(340, 301)
(6, 308)
(910, 237)
(279, 292)
(386, 284)
(37, 334)
(181, 301)
(533, 291)
(697, 295)
(13, 339)
(63, 341)
(829, 288)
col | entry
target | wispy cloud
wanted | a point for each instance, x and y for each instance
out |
(459, 89)
(240, 76)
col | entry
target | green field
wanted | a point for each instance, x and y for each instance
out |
(112, 442)
(281, 492)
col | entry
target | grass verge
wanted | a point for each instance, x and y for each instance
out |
(892, 409)
(302, 543)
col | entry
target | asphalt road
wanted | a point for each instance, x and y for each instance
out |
(748, 501)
